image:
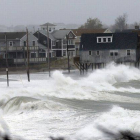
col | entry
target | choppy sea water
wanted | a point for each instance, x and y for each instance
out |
(71, 105)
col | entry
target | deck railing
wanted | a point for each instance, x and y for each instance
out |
(19, 48)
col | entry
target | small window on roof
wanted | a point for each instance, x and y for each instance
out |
(104, 39)
(99, 39)
(109, 39)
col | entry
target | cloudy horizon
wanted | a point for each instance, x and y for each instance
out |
(26, 12)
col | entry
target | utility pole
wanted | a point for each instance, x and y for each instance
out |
(68, 55)
(7, 73)
(28, 71)
(48, 49)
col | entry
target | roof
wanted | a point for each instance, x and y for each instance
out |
(46, 34)
(12, 35)
(130, 31)
(120, 41)
(79, 32)
(60, 34)
(42, 46)
(48, 24)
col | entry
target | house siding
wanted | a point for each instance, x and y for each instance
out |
(105, 57)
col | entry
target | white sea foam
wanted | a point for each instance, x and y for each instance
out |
(99, 85)
(115, 120)
(34, 110)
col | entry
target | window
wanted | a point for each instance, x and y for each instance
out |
(116, 53)
(24, 43)
(111, 53)
(11, 43)
(70, 35)
(42, 55)
(53, 43)
(99, 39)
(128, 52)
(53, 54)
(104, 39)
(33, 55)
(98, 53)
(33, 43)
(70, 42)
(50, 29)
(109, 39)
(90, 53)
(64, 53)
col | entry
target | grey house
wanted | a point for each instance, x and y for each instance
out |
(14, 44)
(57, 41)
(104, 48)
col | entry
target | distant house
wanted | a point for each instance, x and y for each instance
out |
(57, 40)
(79, 32)
(50, 26)
(103, 48)
(16, 44)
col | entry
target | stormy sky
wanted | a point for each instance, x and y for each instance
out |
(25, 12)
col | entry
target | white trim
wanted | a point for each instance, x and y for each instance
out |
(102, 39)
(72, 33)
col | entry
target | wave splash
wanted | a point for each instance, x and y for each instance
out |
(117, 119)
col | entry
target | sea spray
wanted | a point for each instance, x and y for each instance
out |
(117, 119)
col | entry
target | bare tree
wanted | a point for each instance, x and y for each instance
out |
(92, 24)
(121, 22)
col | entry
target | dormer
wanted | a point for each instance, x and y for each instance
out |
(51, 27)
(105, 39)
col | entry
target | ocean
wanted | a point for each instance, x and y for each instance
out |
(72, 106)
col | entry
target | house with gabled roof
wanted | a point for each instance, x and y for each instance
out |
(50, 26)
(104, 48)
(14, 44)
(79, 32)
(57, 41)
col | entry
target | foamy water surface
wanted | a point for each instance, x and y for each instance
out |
(71, 105)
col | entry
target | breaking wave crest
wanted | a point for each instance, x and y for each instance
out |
(115, 120)
(29, 104)
(98, 85)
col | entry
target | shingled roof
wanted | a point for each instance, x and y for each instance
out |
(60, 34)
(12, 35)
(120, 41)
(79, 32)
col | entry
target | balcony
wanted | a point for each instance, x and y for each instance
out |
(19, 48)
(31, 60)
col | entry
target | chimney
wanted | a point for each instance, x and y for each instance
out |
(136, 27)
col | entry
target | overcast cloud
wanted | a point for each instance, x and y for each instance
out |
(24, 12)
